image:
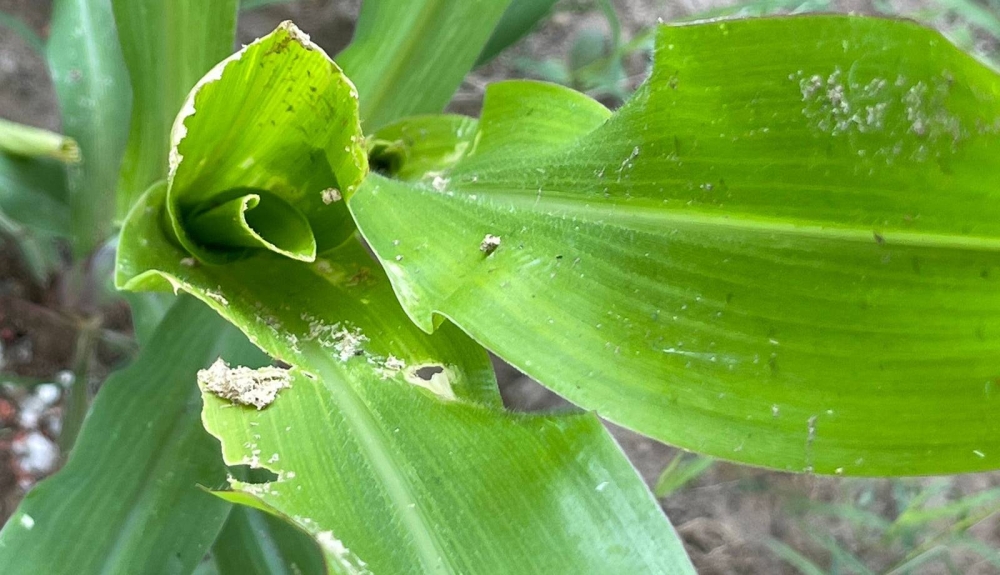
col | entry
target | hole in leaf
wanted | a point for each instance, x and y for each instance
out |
(386, 157)
(428, 372)
(433, 377)
(248, 474)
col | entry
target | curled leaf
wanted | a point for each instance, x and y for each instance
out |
(256, 148)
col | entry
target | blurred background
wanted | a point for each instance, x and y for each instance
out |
(733, 519)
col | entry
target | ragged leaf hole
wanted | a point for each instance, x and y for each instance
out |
(435, 378)
(428, 372)
(255, 475)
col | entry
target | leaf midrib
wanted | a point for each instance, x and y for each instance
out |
(627, 215)
(373, 441)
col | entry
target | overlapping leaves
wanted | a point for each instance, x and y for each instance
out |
(167, 47)
(390, 447)
(141, 508)
(783, 250)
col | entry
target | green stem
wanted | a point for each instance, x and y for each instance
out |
(21, 140)
(78, 396)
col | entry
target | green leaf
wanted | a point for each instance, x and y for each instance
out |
(784, 250)
(33, 211)
(168, 45)
(38, 249)
(91, 84)
(390, 443)
(679, 472)
(421, 145)
(802, 563)
(409, 56)
(128, 500)
(839, 555)
(519, 18)
(237, 198)
(917, 516)
(409, 458)
(33, 193)
(148, 310)
(256, 543)
(313, 319)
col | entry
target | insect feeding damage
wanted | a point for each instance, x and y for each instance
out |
(245, 386)
(489, 244)
(435, 378)
(331, 195)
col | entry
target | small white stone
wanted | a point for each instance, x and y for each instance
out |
(48, 393)
(35, 453)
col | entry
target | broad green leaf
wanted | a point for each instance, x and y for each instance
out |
(31, 142)
(91, 84)
(337, 320)
(390, 446)
(784, 250)
(148, 310)
(128, 500)
(256, 543)
(519, 18)
(168, 45)
(447, 496)
(409, 56)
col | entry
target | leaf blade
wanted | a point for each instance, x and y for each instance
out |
(92, 87)
(167, 47)
(253, 542)
(108, 488)
(726, 251)
(409, 56)
(517, 21)
(361, 370)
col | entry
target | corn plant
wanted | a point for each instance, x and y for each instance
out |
(782, 250)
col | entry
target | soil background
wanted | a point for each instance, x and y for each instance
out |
(726, 516)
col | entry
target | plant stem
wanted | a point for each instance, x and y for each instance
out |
(78, 396)
(21, 140)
